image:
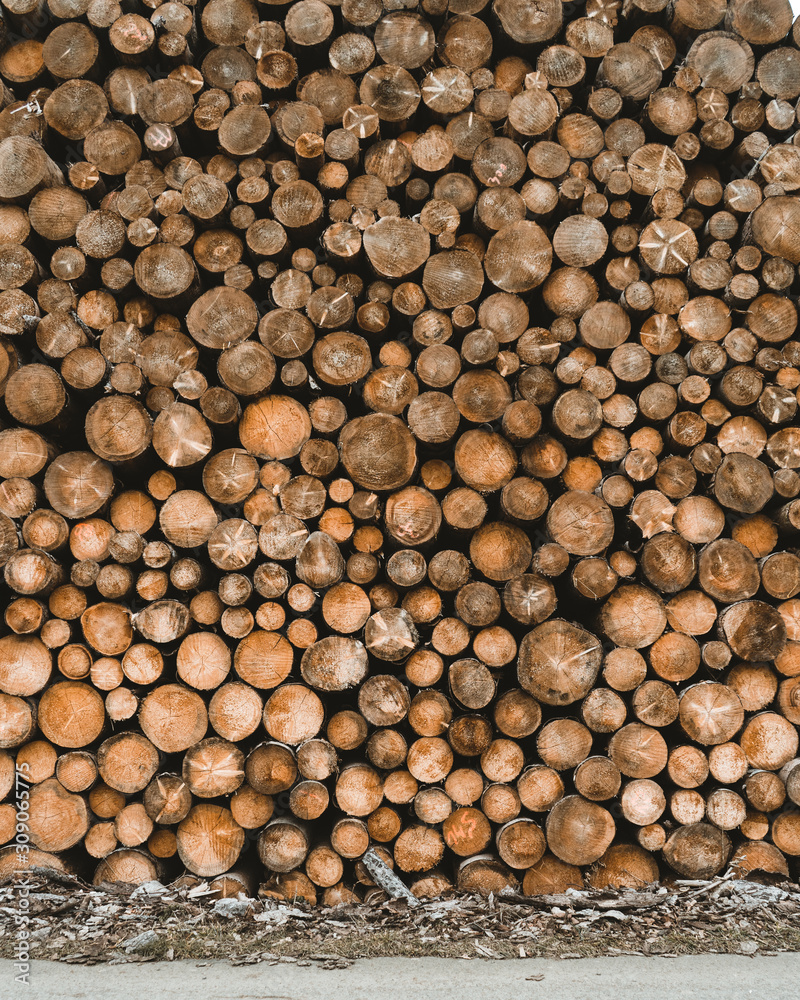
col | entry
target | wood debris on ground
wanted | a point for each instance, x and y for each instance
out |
(74, 922)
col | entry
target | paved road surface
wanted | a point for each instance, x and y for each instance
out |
(710, 977)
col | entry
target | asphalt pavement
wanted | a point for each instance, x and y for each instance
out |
(700, 977)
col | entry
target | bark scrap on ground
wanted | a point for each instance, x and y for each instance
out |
(73, 922)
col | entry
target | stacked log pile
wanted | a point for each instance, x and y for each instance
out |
(399, 440)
